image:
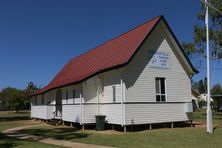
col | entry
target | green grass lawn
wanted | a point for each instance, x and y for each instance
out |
(167, 137)
(10, 120)
(162, 137)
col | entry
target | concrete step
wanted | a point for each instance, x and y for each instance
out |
(55, 122)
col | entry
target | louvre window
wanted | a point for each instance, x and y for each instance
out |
(114, 93)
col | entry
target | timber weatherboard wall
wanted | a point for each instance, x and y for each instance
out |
(112, 110)
(89, 106)
(71, 106)
(140, 84)
(106, 105)
(155, 113)
(39, 110)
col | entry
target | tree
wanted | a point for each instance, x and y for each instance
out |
(197, 47)
(16, 99)
(31, 87)
(200, 86)
(216, 90)
(13, 98)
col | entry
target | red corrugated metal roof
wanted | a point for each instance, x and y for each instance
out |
(112, 53)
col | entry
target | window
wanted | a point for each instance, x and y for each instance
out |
(74, 95)
(160, 90)
(42, 99)
(102, 86)
(35, 101)
(67, 96)
(114, 93)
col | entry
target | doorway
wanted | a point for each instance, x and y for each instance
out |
(58, 104)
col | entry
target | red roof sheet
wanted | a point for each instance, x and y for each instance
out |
(112, 53)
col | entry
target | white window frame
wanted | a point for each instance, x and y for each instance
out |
(160, 94)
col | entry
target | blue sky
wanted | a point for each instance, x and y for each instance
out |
(38, 37)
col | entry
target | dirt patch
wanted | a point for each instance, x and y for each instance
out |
(28, 122)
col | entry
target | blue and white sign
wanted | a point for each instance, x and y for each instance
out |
(160, 60)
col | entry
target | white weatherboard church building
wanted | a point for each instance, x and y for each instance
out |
(140, 77)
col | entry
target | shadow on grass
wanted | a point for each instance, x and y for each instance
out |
(217, 127)
(7, 142)
(15, 118)
(137, 128)
(56, 133)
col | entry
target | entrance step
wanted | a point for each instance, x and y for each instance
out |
(56, 122)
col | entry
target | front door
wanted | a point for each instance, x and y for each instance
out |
(59, 103)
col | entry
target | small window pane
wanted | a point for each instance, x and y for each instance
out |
(157, 98)
(162, 86)
(163, 98)
(157, 86)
